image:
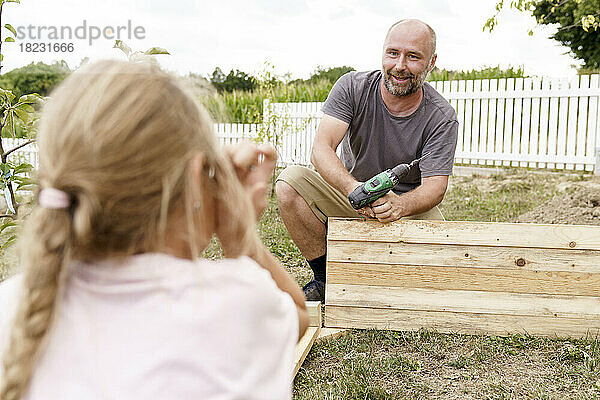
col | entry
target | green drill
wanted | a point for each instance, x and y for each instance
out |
(379, 185)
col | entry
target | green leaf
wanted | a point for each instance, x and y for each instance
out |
(25, 107)
(5, 168)
(22, 115)
(10, 122)
(29, 187)
(32, 98)
(156, 50)
(11, 239)
(8, 224)
(9, 39)
(10, 28)
(23, 167)
(13, 1)
(7, 96)
(1, 57)
(24, 180)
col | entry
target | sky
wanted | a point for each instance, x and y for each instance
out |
(291, 36)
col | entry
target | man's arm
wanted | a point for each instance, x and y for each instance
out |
(419, 200)
(330, 133)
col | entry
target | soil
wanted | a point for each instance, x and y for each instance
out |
(577, 203)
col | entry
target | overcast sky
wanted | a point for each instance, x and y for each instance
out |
(295, 36)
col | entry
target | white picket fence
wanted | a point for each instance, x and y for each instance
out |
(532, 122)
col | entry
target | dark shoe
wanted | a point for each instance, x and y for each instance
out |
(314, 291)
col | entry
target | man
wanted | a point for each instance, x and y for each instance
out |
(382, 118)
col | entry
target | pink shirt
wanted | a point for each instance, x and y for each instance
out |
(156, 326)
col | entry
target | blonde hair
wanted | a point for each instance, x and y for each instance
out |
(118, 138)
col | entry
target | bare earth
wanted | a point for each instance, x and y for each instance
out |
(577, 204)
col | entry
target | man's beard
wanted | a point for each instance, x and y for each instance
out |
(400, 90)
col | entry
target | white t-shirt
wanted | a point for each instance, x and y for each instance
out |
(160, 327)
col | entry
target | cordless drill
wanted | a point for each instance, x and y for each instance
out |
(379, 185)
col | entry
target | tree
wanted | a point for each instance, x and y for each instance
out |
(235, 80)
(14, 110)
(484, 73)
(578, 20)
(571, 16)
(331, 74)
(37, 78)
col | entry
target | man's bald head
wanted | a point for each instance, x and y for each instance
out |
(415, 24)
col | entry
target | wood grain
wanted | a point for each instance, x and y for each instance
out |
(467, 233)
(466, 323)
(304, 345)
(465, 256)
(463, 301)
(314, 313)
(452, 278)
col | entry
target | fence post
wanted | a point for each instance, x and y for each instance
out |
(597, 149)
(266, 122)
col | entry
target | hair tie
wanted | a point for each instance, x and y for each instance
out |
(54, 199)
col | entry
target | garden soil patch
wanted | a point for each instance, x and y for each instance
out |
(578, 203)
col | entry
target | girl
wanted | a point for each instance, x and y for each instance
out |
(114, 301)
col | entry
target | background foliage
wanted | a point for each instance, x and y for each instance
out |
(577, 21)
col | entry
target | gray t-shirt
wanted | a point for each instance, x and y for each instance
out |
(377, 140)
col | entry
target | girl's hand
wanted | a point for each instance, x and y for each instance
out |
(254, 166)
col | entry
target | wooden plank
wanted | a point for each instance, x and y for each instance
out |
(468, 121)
(544, 123)
(491, 130)
(330, 333)
(456, 278)
(528, 259)
(517, 133)
(463, 301)
(500, 109)
(314, 313)
(508, 119)
(571, 133)
(304, 345)
(593, 119)
(563, 117)
(449, 322)
(582, 121)
(484, 120)
(467, 233)
(546, 92)
(554, 120)
(460, 116)
(526, 119)
(535, 124)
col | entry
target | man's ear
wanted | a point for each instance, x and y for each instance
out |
(432, 63)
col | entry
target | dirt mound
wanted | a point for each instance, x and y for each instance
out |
(579, 204)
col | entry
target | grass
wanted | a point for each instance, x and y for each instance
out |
(499, 198)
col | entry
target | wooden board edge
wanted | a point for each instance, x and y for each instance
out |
(304, 345)
(328, 334)
(314, 313)
(458, 323)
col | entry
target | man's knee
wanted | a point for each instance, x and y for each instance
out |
(286, 194)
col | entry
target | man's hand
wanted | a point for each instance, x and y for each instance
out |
(424, 197)
(389, 207)
(253, 165)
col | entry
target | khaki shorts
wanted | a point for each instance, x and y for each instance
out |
(325, 201)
